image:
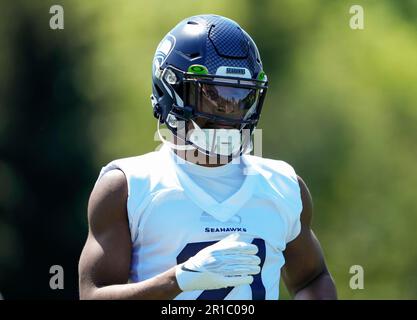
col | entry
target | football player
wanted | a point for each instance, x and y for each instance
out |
(201, 218)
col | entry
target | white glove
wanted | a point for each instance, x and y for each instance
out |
(227, 263)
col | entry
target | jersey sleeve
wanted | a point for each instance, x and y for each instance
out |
(136, 171)
(283, 189)
(293, 196)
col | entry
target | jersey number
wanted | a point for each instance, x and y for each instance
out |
(258, 289)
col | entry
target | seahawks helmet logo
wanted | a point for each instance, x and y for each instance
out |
(162, 52)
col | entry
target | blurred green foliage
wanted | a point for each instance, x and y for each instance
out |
(341, 108)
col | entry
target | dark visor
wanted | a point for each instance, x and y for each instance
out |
(225, 101)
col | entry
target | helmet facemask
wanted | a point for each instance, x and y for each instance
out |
(218, 113)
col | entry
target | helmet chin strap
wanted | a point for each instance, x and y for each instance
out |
(216, 142)
(247, 144)
(208, 141)
(175, 146)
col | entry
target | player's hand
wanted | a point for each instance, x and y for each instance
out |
(227, 263)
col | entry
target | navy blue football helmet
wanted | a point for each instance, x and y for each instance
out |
(208, 69)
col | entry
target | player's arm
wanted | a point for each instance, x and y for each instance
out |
(305, 273)
(105, 260)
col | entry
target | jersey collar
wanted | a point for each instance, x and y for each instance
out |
(221, 211)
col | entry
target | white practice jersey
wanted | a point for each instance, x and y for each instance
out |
(172, 215)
